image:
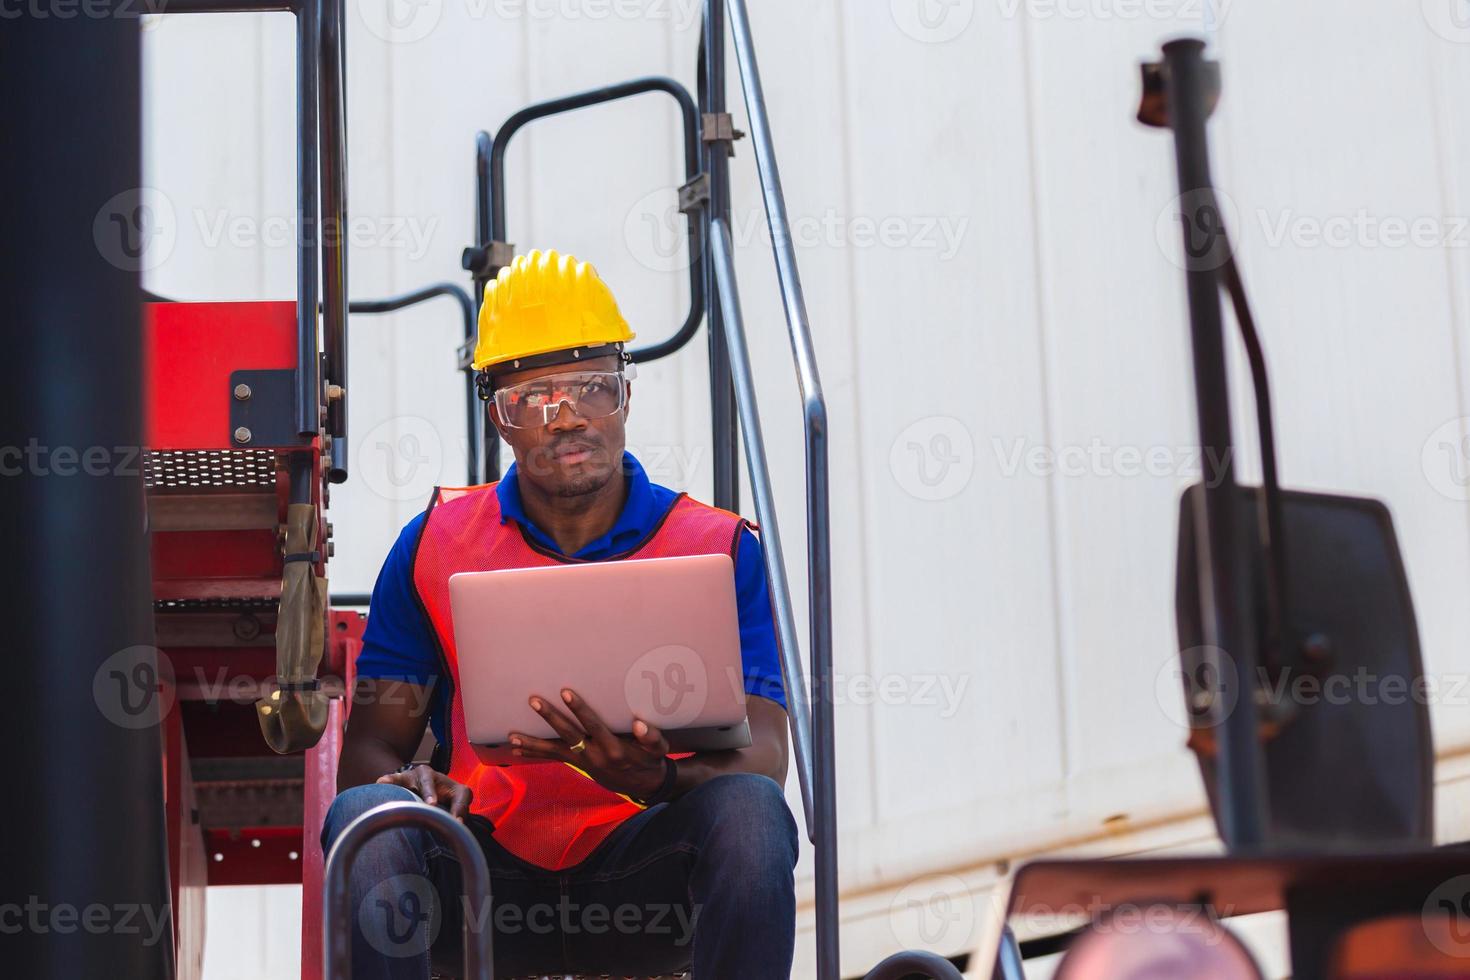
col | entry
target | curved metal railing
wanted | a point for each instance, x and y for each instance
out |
(337, 917)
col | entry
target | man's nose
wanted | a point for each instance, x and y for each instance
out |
(566, 418)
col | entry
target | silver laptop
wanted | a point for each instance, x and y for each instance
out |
(656, 639)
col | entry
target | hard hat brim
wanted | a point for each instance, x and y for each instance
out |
(565, 355)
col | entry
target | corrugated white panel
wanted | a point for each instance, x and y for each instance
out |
(252, 932)
(1330, 160)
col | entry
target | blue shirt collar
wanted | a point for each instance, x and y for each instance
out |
(642, 512)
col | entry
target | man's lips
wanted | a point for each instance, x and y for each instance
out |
(576, 453)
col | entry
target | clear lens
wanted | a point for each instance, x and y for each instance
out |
(591, 394)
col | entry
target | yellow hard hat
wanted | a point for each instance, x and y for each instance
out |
(546, 308)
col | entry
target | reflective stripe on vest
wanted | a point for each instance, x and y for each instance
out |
(550, 815)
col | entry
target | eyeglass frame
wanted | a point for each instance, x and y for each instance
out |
(625, 372)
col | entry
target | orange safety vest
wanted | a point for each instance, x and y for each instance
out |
(550, 815)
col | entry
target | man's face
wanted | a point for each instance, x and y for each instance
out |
(569, 456)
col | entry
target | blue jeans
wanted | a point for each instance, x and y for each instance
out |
(705, 882)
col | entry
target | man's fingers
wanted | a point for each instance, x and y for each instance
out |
(650, 737)
(543, 748)
(559, 722)
(459, 801)
(424, 777)
(591, 723)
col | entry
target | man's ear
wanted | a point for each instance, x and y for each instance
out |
(627, 400)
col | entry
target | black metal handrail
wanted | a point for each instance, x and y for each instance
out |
(333, 163)
(484, 448)
(490, 158)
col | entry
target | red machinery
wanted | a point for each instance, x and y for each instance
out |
(223, 470)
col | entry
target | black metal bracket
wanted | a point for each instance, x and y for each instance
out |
(465, 354)
(261, 409)
(484, 261)
(694, 194)
(719, 127)
(1153, 108)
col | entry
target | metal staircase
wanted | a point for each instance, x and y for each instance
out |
(247, 430)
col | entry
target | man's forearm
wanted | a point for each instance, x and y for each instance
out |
(384, 729)
(765, 756)
(364, 759)
(704, 766)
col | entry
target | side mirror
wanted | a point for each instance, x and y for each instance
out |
(1344, 718)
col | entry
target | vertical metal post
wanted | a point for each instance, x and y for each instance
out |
(716, 164)
(487, 467)
(819, 529)
(82, 717)
(308, 367)
(1224, 583)
(798, 705)
(334, 225)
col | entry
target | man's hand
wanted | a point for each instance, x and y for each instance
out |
(633, 766)
(434, 788)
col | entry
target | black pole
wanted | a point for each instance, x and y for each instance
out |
(1225, 585)
(723, 417)
(308, 272)
(85, 836)
(484, 466)
(332, 89)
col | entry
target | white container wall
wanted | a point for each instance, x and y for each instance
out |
(990, 253)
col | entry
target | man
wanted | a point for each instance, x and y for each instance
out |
(608, 856)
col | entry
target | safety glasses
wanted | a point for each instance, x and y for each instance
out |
(591, 394)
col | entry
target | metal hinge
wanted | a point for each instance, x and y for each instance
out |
(483, 261)
(694, 194)
(719, 127)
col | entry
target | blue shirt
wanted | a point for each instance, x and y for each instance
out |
(400, 645)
